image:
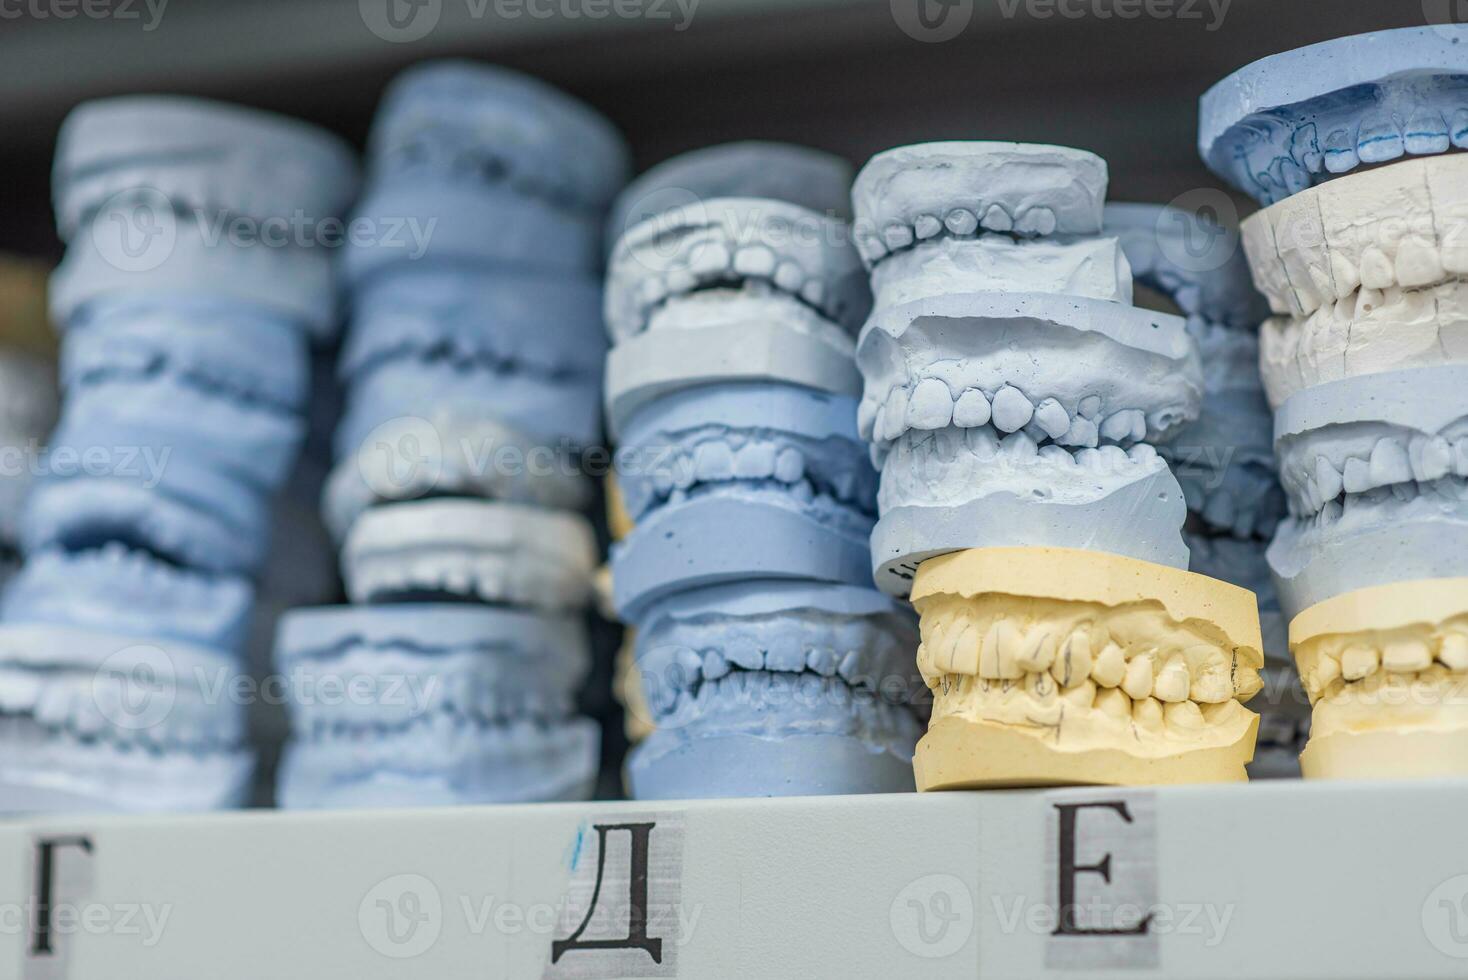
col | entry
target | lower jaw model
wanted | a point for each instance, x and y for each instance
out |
(1053, 667)
(772, 688)
(98, 720)
(454, 704)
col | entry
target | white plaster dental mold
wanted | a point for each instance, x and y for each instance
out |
(490, 551)
(1376, 473)
(102, 721)
(1189, 258)
(1402, 227)
(483, 709)
(813, 179)
(198, 154)
(767, 256)
(911, 194)
(777, 689)
(1286, 122)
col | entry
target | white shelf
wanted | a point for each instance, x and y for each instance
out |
(1277, 881)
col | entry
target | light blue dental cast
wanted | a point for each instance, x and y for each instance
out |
(1296, 119)
(418, 705)
(195, 278)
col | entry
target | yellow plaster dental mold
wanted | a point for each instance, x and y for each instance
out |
(1054, 666)
(1386, 669)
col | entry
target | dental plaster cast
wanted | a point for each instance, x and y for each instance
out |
(626, 679)
(1300, 118)
(768, 688)
(1376, 472)
(1012, 396)
(96, 720)
(812, 179)
(1011, 419)
(453, 704)
(487, 551)
(1224, 461)
(734, 482)
(113, 587)
(732, 289)
(1367, 274)
(28, 405)
(482, 166)
(167, 196)
(223, 386)
(489, 369)
(485, 352)
(1052, 666)
(1386, 669)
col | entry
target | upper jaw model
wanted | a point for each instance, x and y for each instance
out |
(1300, 118)
(486, 166)
(1012, 394)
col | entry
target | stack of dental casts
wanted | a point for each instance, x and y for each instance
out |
(1014, 402)
(1189, 264)
(186, 322)
(1350, 147)
(472, 372)
(768, 663)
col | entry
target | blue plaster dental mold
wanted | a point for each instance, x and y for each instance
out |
(486, 166)
(95, 720)
(113, 587)
(220, 384)
(771, 688)
(442, 704)
(1296, 119)
(198, 154)
(1224, 459)
(812, 179)
(742, 481)
(183, 510)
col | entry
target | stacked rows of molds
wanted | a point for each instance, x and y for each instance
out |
(1358, 249)
(190, 292)
(1013, 401)
(1188, 263)
(472, 382)
(769, 664)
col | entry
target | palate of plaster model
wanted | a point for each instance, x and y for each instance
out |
(100, 720)
(113, 587)
(742, 481)
(1375, 470)
(776, 689)
(471, 550)
(1299, 118)
(223, 386)
(1386, 669)
(483, 710)
(471, 147)
(1051, 666)
(812, 179)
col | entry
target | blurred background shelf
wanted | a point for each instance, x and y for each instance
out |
(1258, 882)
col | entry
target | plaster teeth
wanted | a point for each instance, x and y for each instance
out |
(1405, 656)
(814, 292)
(1358, 662)
(981, 442)
(1036, 221)
(823, 660)
(1073, 664)
(1427, 132)
(1432, 459)
(972, 409)
(1340, 152)
(1125, 426)
(714, 461)
(926, 226)
(1184, 716)
(709, 260)
(1379, 140)
(1389, 463)
(894, 416)
(784, 653)
(1038, 651)
(1454, 648)
(1327, 480)
(1356, 476)
(755, 261)
(744, 653)
(1082, 432)
(1172, 683)
(1114, 703)
(1137, 681)
(715, 665)
(754, 461)
(931, 405)
(1019, 445)
(998, 658)
(1082, 696)
(1459, 128)
(789, 276)
(997, 219)
(1147, 714)
(961, 222)
(1052, 418)
(896, 237)
(1011, 409)
(789, 465)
